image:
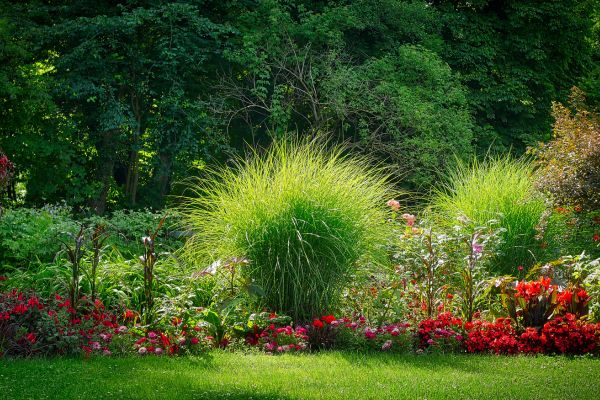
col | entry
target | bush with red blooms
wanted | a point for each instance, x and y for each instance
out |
(443, 333)
(283, 339)
(568, 335)
(33, 326)
(530, 303)
(563, 334)
(322, 332)
(274, 333)
(533, 303)
(573, 300)
(532, 342)
(497, 337)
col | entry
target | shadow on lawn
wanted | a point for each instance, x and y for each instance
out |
(125, 378)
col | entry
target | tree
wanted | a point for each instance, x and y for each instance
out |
(117, 71)
(304, 72)
(516, 57)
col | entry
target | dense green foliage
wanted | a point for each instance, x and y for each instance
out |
(302, 215)
(324, 375)
(122, 98)
(30, 236)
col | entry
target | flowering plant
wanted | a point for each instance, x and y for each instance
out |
(30, 325)
(569, 335)
(530, 303)
(498, 337)
(444, 333)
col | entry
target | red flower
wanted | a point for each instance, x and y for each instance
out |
(449, 296)
(19, 309)
(129, 314)
(3, 278)
(582, 295)
(328, 319)
(565, 297)
(596, 238)
(317, 324)
(31, 338)
(195, 340)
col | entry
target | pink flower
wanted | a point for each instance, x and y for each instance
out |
(394, 204)
(158, 351)
(409, 218)
(142, 351)
(106, 352)
(369, 333)
(270, 346)
(387, 345)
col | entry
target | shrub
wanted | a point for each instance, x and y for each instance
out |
(303, 215)
(568, 335)
(499, 188)
(27, 235)
(443, 333)
(498, 337)
(569, 165)
(31, 234)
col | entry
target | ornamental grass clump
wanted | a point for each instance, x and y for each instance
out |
(303, 215)
(499, 188)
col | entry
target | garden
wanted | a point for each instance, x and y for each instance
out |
(366, 229)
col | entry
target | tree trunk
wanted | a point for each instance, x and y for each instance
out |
(131, 185)
(106, 166)
(164, 174)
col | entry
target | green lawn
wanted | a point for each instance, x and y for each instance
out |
(326, 375)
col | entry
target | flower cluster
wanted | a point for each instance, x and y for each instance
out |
(275, 334)
(568, 335)
(441, 333)
(532, 290)
(283, 339)
(498, 337)
(563, 335)
(30, 325)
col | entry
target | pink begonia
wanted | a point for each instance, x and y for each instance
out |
(394, 204)
(409, 218)
(387, 345)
